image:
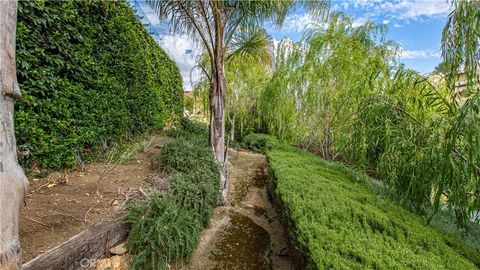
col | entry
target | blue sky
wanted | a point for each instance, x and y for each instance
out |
(416, 25)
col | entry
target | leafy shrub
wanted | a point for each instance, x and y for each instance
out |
(189, 102)
(259, 143)
(237, 145)
(339, 223)
(89, 74)
(168, 227)
(191, 130)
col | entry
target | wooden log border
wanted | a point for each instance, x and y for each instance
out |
(83, 249)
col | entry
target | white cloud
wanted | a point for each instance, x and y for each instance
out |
(363, 3)
(336, 7)
(400, 10)
(395, 12)
(148, 12)
(297, 22)
(358, 22)
(415, 54)
(415, 9)
(176, 47)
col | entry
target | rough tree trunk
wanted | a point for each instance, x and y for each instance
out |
(217, 102)
(217, 118)
(232, 129)
(217, 127)
(326, 140)
(13, 183)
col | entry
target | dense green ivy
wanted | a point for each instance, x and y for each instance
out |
(89, 74)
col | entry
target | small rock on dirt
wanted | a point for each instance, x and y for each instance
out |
(247, 205)
(119, 250)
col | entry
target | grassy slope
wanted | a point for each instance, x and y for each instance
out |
(342, 224)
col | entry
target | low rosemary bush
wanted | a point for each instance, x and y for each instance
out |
(168, 227)
(162, 231)
(339, 223)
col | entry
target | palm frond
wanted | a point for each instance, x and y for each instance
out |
(186, 16)
(251, 42)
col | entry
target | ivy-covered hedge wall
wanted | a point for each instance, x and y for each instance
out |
(89, 74)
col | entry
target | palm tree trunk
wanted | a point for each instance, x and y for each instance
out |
(13, 183)
(217, 101)
(217, 125)
(217, 117)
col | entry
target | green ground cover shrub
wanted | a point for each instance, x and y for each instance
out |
(90, 75)
(259, 143)
(168, 227)
(162, 231)
(339, 223)
(191, 130)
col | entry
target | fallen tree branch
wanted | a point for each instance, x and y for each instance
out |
(36, 221)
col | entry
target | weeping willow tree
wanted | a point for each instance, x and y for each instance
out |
(424, 139)
(397, 134)
(248, 79)
(460, 174)
(276, 106)
(317, 82)
(340, 92)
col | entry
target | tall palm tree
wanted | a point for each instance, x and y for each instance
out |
(214, 24)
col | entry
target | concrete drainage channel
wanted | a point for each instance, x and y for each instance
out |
(242, 244)
(246, 233)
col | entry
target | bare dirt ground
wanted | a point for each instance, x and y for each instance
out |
(246, 233)
(63, 204)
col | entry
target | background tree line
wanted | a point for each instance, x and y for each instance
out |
(341, 92)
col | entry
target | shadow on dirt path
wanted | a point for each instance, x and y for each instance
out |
(246, 233)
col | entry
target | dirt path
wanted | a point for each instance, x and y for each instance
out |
(63, 204)
(246, 233)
